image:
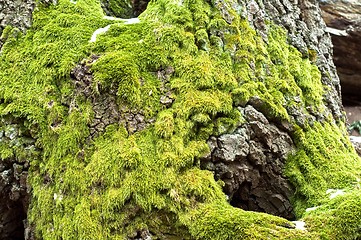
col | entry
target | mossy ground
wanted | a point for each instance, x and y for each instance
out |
(121, 183)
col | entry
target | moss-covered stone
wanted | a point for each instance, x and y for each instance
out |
(121, 183)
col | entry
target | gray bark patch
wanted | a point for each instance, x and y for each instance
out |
(250, 162)
(14, 188)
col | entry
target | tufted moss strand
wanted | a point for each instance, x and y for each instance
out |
(150, 179)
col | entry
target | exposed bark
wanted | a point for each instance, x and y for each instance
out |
(306, 31)
(251, 163)
(250, 159)
(15, 191)
(16, 14)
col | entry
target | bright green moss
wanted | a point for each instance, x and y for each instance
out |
(119, 183)
(339, 218)
(221, 222)
(324, 161)
(164, 126)
(119, 70)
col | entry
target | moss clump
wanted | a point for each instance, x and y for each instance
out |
(220, 221)
(119, 69)
(339, 218)
(121, 183)
(325, 160)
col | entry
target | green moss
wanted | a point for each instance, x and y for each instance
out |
(120, 183)
(221, 222)
(339, 218)
(118, 69)
(164, 126)
(325, 160)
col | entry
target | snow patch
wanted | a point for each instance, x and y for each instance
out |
(105, 29)
(58, 197)
(337, 32)
(335, 192)
(111, 18)
(355, 139)
(99, 31)
(132, 21)
(300, 225)
(311, 209)
(125, 20)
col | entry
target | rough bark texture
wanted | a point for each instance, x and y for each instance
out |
(120, 134)
(15, 13)
(343, 20)
(251, 166)
(105, 106)
(250, 161)
(14, 188)
(306, 31)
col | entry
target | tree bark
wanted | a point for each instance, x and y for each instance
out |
(126, 126)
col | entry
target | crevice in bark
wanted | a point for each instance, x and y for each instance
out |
(124, 8)
(250, 161)
(15, 192)
(139, 6)
(105, 102)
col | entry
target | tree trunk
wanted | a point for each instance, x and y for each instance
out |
(197, 120)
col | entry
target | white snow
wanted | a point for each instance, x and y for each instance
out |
(300, 225)
(111, 18)
(355, 139)
(125, 20)
(131, 21)
(335, 192)
(58, 197)
(311, 209)
(97, 32)
(105, 29)
(336, 32)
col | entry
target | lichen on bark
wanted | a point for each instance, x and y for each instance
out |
(190, 65)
